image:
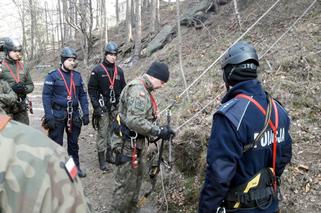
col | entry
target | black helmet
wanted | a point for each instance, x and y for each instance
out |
(240, 63)
(111, 47)
(11, 44)
(238, 53)
(68, 52)
(2, 41)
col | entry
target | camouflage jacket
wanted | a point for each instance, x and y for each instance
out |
(136, 108)
(7, 96)
(32, 173)
(24, 75)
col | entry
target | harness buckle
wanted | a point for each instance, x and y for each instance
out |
(133, 139)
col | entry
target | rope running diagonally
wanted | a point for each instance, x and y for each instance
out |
(196, 114)
(303, 14)
(237, 40)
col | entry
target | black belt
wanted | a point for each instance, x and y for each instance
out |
(257, 198)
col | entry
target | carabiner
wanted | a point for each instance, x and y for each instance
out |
(101, 101)
(221, 210)
(112, 96)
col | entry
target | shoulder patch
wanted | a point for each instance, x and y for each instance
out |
(234, 110)
(226, 106)
(49, 82)
(71, 169)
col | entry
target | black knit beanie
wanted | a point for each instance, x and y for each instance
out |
(159, 70)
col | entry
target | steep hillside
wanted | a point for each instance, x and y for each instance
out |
(290, 71)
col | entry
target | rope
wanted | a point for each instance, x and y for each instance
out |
(237, 40)
(201, 110)
(303, 14)
(196, 114)
(163, 187)
(290, 28)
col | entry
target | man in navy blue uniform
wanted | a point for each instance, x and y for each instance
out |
(249, 141)
(104, 87)
(62, 94)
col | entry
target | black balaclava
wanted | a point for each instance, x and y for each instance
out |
(233, 74)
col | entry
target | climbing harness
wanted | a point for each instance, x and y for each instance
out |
(19, 67)
(112, 96)
(274, 127)
(70, 94)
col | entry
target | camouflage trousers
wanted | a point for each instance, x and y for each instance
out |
(128, 182)
(104, 132)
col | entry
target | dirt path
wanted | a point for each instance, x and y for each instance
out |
(98, 185)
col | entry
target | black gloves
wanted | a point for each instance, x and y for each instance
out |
(19, 88)
(50, 123)
(166, 133)
(98, 112)
(85, 120)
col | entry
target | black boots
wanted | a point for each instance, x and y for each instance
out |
(81, 173)
(109, 156)
(102, 161)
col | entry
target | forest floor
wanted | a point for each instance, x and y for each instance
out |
(290, 72)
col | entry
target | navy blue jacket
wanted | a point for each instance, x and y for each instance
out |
(236, 124)
(54, 92)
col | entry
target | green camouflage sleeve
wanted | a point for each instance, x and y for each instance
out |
(139, 111)
(7, 96)
(29, 83)
(32, 174)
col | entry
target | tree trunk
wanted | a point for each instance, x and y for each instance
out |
(179, 46)
(117, 12)
(32, 30)
(138, 28)
(133, 15)
(157, 14)
(153, 17)
(60, 24)
(65, 18)
(46, 16)
(73, 17)
(237, 14)
(98, 14)
(129, 20)
(106, 24)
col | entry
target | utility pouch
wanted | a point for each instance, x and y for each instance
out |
(258, 192)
